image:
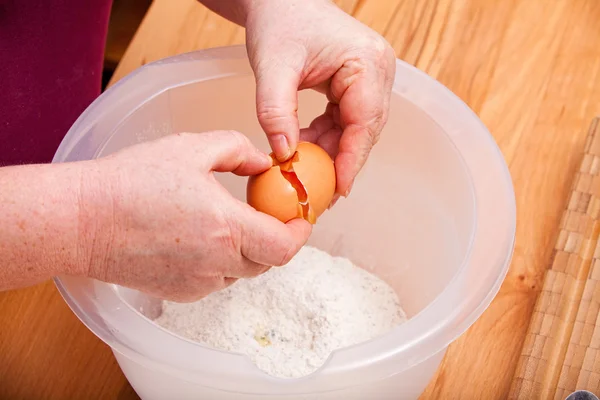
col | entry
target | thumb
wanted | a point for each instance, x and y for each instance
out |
(277, 107)
(231, 151)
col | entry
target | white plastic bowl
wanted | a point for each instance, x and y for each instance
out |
(432, 212)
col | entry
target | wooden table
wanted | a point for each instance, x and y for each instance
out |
(529, 68)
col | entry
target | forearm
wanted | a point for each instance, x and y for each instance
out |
(39, 223)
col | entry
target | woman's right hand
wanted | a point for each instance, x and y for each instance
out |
(154, 218)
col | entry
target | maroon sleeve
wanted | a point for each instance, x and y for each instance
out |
(51, 56)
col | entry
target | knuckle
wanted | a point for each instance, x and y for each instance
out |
(230, 234)
(363, 152)
(375, 44)
(383, 48)
(380, 52)
(389, 61)
(375, 126)
(385, 113)
(292, 58)
(239, 140)
(379, 44)
(371, 131)
(236, 135)
(389, 52)
(376, 138)
(270, 113)
(275, 119)
(225, 236)
(356, 66)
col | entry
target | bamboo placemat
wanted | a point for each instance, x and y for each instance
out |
(561, 352)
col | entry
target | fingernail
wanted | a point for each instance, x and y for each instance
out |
(268, 159)
(280, 146)
(336, 197)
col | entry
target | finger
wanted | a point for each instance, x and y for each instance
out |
(318, 126)
(324, 130)
(322, 87)
(246, 268)
(309, 135)
(277, 107)
(193, 293)
(335, 114)
(266, 240)
(352, 154)
(361, 93)
(231, 151)
(330, 141)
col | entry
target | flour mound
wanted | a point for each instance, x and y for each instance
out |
(290, 319)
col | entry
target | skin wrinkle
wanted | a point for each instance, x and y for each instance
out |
(233, 237)
(342, 84)
(82, 258)
(242, 142)
(112, 226)
(272, 114)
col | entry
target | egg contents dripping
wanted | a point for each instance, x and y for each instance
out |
(287, 170)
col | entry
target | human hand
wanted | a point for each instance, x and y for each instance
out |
(154, 217)
(313, 44)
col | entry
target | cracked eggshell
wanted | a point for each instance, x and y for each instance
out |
(271, 193)
(316, 171)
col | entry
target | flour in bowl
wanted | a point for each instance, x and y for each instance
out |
(290, 319)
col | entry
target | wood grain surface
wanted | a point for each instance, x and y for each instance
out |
(529, 68)
(561, 352)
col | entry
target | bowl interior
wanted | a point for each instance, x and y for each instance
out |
(410, 218)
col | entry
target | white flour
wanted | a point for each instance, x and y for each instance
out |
(290, 319)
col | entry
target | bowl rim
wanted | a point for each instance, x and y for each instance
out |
(494, 239)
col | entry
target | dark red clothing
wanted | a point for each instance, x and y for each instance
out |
(51, 56)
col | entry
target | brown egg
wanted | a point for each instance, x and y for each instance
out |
(301, 187)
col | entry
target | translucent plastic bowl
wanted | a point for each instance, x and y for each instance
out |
(432, 213)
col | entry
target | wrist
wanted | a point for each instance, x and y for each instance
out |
(60, 222)
(95, 221)
(39, 222)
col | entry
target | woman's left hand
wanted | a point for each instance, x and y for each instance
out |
(295, 45)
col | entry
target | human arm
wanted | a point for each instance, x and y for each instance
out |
(151, 217)
(38, 223)
(295, 45)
